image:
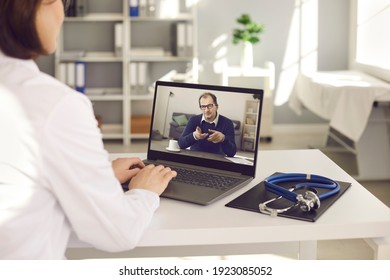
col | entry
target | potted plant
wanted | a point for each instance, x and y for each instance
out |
(249, 34)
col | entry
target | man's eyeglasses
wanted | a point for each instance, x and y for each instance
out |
(208, 106)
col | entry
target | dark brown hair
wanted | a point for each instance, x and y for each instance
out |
(18, 34)
(209, 94)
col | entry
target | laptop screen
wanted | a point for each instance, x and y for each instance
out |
(206, 125)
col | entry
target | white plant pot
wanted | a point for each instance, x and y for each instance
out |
(247, 56)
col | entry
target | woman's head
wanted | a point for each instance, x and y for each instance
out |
(29, 28)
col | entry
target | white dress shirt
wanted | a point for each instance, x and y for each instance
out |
(56, 177)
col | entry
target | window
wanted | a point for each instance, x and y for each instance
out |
(370, 37)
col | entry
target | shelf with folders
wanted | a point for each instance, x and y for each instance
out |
(89, 42)
(91, 27)
(250, 125)
(103, 38)
(87, 60)
(94, 9)
(101, 89)
(91, 78)
(157, 46)
(171, 40)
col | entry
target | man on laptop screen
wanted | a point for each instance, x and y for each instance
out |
(209, 131)
(214, 158)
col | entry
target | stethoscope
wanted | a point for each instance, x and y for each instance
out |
(307, 202)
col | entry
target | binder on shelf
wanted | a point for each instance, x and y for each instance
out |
(179, 39)
(133, 77)
(189, 40)
(70, 11)
(143, 8)
(133, 8)
(62, 73)
(118, 39)
(138, 77)
(142, 69)
(80, 76)
(151, 8)
(81, 7)
(70, 74)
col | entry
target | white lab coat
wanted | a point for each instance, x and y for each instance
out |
(58, 178)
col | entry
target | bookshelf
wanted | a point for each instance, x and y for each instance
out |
(124, 55)
(250, 125)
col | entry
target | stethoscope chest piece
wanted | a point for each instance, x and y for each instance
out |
(309, 201)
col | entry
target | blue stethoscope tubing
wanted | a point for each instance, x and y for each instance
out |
(310, 181)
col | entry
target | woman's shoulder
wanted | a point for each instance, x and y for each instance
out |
(29, 83)
(41, 94)
(50, 93)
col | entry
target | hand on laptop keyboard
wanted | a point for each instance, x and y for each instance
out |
(133, 174)
(153, 178)
(126, 168)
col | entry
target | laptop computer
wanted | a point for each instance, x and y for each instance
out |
(173, 107)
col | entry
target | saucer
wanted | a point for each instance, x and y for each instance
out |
(172, 150)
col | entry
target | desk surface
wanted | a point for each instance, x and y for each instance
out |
(357, 214)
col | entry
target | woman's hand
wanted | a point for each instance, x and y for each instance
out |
(153, 178)
(126, 168)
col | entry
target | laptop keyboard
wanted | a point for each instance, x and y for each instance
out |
(205, 179)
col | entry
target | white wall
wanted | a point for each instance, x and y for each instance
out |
(287, 23)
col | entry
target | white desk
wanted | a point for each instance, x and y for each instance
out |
(183, 229)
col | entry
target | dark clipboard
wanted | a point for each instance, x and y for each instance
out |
(251, 199)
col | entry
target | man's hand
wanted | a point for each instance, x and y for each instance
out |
(216, 136)
(199, 135)
(126, 168)
(153, 178)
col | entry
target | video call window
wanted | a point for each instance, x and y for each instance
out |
(178, 108)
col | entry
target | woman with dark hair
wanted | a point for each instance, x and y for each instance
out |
(66, 182)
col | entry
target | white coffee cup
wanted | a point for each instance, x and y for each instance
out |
(173, 145)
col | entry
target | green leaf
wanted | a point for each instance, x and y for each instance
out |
(249, 33)
(244, 19)
(254, 40)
